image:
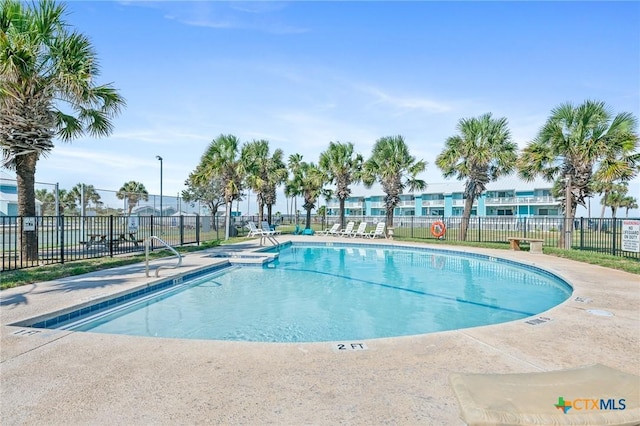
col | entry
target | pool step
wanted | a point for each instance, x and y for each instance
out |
(247, 257)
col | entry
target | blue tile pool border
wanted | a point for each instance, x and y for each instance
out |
(61, 318)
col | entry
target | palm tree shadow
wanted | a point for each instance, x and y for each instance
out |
(93, 280)
(19, 298)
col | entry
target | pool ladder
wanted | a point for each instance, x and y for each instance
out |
(147, 244)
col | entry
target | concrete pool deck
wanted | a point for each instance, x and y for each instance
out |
(60, 377)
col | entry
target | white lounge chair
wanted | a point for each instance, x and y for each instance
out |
(330, 231)
(347, 230)
(378, 232)
(361, 231)
(267, 230)
(253, 229)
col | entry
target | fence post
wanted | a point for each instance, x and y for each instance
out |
(479, 230)
(197, 229)
(181, 230)
(61, 239)
(110, 235)
(151, 232)
(613, 225)
(412, 223)
(581, 233)
(525, 228)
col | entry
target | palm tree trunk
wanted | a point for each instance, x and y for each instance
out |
(227, 225)
(260, 211)
(604, 206)
(308, 226)
(389, 218)
(466, 215)
(25, 179)
(341, 213)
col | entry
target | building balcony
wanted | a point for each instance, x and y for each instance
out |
(433, 203)
(505, 201)
(410, 203)
(459, 203)
(354, 205)
(348, 204)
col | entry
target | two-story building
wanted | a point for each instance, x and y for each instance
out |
(509, 196)
(9, 197)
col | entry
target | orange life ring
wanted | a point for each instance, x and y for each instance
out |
(438, 229)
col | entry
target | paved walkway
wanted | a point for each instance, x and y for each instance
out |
(57, 377)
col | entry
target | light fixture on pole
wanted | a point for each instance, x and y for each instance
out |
(160, 158)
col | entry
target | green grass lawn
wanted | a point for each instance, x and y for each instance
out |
(17, 278)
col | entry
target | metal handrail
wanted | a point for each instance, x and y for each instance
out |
(147, 243)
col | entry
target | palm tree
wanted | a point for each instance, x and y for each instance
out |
(290, 188)
(66, 202)
(222, 160)
(264, 173)
(481, 153)
(277, 174)
(571, 143)
(254, 156)
(395, 169)
(47, 200)
(133, 192)
(47, 90)
(85, 194)
(309, 180)
(342, 167)
(615, 197)
(603, 188)
(629, 203)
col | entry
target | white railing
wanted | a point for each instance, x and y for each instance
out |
(411, 203)
(438, 203)
(542, 199)
(147, 244)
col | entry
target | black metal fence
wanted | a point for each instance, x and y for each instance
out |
(63, 239)
(599, 235)
(607, 235)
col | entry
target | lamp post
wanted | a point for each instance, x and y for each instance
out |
(160, 158)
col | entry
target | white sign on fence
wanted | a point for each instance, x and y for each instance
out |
(28, 223)
(133, 222)
(631, 235)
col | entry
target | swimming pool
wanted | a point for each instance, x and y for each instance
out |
(330, 292)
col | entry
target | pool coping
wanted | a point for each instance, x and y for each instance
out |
(399, 380)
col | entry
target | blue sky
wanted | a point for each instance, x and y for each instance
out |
(301, 74)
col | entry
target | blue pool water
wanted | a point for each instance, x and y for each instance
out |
(336, 293)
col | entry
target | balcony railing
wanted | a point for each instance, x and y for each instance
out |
(411, 203)
(542, 199)
(458, 203)
(348, 204)
(432, 203)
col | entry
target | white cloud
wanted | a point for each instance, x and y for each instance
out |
(405, 103)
